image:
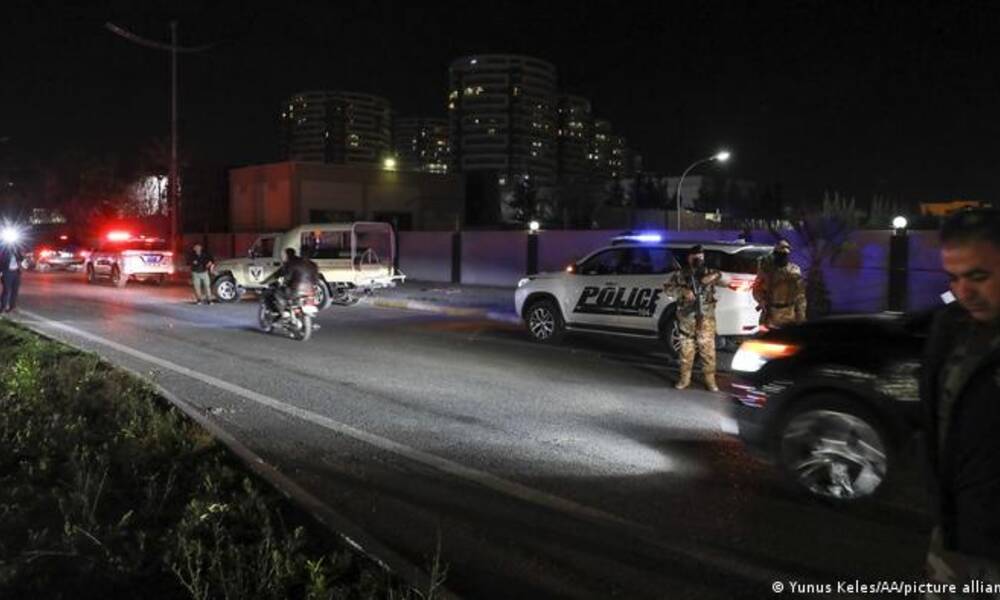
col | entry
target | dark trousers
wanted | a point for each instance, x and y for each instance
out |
(11, 285)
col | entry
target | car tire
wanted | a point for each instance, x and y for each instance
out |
(670, 334)
(118, 278)
(545, 322)
(834, 449)
(322, 293)
(225, 289)
(91, 275)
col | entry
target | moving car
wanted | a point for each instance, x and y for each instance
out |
(352, 258)
(834, 402)
(62, 253)
(618, 290)
(122, 257)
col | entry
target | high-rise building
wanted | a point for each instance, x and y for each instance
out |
(421, 144)
(576, 130)
(609, 154)
(503, 117)
(336, 127)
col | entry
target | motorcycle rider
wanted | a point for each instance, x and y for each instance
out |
(299, 277)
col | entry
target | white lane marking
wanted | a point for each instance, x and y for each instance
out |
(504, 486)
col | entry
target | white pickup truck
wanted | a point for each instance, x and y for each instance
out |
(353, 258)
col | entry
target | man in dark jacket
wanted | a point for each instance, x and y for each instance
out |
(201, 263)
(960, 391)
(298, 275)
(11, 261)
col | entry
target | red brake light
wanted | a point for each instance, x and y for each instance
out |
(83, 254)
(118, 236)
(45, 252)
(64, 237)
(571, 268)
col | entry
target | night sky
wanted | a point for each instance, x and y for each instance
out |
(898, 98)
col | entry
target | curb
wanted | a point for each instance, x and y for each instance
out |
(452, 311)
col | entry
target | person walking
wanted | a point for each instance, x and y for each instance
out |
(779, 289)
(693, 286)
(202, 264)
(960, 393)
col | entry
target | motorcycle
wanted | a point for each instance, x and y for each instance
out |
(295, 315)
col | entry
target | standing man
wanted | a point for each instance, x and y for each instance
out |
(694, 288)
(11, 261)
(960, 392)
(779, 289)
(202, 264)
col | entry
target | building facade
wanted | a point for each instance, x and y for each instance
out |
(575, 136)
(336, 127)
(503, 117)
(279, 196)
(421, 144)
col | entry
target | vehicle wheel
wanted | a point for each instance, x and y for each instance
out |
(322, 295)
(304, 331)
(670, 335)
(91, 276)
(118, 278)
(225, 289)
(834, 449)
(545, 322)
(264, 319)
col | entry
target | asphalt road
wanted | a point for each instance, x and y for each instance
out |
(571, 471)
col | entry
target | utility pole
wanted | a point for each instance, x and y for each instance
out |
(173, 183)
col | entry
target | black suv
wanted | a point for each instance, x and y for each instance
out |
(834, 402)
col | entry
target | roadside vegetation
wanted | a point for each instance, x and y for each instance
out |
(107, 491)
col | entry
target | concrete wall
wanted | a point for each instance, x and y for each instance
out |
(425, 255)
(494, 257)
(926, 281)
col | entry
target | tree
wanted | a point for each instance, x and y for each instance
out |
(824, 236)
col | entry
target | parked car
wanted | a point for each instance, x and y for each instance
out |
(352, 258)
(618, 290)
(122, 257)
(834, 402)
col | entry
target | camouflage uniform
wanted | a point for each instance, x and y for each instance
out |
(696, 332)
(781, 294)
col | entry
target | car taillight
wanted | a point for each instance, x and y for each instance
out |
(45, 252)
(571, 268)
(83, 254)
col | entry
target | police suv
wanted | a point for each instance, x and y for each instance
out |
(122, 257)
(618, 290)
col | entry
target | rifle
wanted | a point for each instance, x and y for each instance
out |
(696, 288)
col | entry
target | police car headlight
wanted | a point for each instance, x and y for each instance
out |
(524, 282)
(754, 354)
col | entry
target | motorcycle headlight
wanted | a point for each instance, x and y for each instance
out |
(523, 282)
(754, 354)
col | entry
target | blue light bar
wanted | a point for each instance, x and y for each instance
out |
(645, 237)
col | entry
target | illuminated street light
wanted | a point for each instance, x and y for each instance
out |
(899, 222)
(721, 156)
(389, 164)
(534, 226)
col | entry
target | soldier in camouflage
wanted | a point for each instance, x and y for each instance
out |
(694, 288)
(779, 289)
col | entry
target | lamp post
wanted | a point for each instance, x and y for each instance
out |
(173, 49)
(722, 156)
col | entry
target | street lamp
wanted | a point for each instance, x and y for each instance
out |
(173, 48)
(389, 164)
(534, 226)
(899, 222)
(721, 157)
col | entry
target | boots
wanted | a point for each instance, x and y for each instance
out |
(684, 380)
(710, 384)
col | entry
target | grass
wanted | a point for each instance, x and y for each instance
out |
(108, 491)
